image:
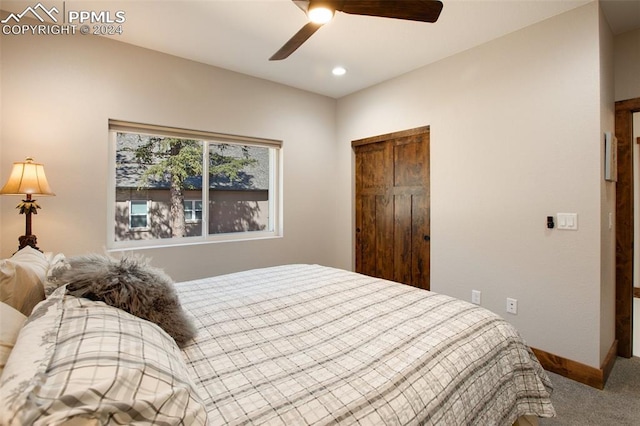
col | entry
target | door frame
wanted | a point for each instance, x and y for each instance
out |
(624, 111)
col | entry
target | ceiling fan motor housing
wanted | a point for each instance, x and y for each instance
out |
(321, 11)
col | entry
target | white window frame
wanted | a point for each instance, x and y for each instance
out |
(275, 219)
(138, 228)
(193, 209)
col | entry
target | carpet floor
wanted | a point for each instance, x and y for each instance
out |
(581, 405)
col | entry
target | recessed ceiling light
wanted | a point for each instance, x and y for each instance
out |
(339, 71)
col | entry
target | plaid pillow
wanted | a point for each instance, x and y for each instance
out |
(85, 359)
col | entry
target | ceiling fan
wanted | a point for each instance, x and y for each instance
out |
(321, 11)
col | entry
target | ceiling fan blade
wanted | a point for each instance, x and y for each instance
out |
(295, 41)
(303, 5)
(412, 10)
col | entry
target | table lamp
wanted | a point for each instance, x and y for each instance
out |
(27, 178)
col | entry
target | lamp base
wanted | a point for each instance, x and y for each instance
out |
(28, 240)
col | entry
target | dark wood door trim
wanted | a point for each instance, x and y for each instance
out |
(394, 135)
(624, 111)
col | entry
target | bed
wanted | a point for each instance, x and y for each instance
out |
(285, 345)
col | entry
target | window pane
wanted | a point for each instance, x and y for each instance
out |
(139, 221)
(238, 202)
(161, 169)
(198, 210)
(138, 207)
(188, 211)
(138, 214)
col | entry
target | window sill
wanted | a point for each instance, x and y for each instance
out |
(120, 246)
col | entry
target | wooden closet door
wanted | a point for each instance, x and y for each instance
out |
(393, 206)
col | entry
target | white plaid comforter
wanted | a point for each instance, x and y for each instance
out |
(307, 344)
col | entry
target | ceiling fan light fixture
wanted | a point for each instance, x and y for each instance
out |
(320, 14)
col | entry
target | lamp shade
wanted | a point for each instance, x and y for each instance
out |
(27, 178)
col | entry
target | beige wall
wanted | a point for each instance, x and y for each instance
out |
(627, 65)
(516, 130)
(58, 93)
(607, 195)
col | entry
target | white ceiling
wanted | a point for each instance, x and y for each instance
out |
(241, 35)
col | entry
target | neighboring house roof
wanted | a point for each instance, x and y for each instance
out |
(252, 177)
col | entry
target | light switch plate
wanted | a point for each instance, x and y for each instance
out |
(568, 221)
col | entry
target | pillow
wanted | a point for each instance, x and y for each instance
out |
(83, 360)
(22, 279)
(55, 263)
(11, 321)
(130, 284)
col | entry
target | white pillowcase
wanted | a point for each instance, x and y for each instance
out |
(11, 321)
(22, 279)
(56, 262)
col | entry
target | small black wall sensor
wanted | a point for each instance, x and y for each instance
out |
(550, 223)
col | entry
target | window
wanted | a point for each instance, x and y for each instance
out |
(192, 210)
(138, 214)
(174, 186)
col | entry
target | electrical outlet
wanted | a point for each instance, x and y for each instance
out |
(476, 296)
(512, 305)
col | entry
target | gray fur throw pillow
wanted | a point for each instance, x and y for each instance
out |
(130, 284)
